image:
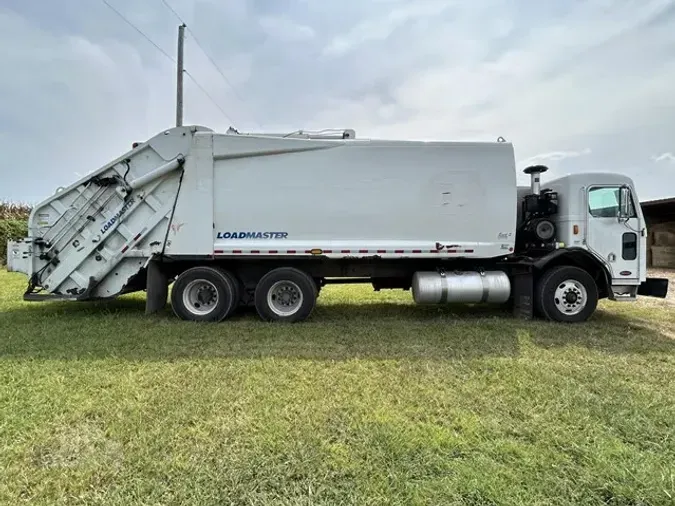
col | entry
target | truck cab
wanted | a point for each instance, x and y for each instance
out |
(600, 212)
(586, 237)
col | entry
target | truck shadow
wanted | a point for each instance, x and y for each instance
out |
(336, 331)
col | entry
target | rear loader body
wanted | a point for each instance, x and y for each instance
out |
(267, 220)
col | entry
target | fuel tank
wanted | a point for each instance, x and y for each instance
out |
(460, 287)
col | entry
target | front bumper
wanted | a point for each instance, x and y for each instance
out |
(654, 287)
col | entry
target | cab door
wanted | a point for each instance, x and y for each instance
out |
(614, 235)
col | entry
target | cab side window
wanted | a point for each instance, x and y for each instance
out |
(604, 203)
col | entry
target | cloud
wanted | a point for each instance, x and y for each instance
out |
(555, 156)
(80, 85)
(285, 29)
(380, 26)
(595, 73)
(664, 157)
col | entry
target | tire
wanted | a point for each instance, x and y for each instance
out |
(576, 285)
(299, 294)
(193, 289)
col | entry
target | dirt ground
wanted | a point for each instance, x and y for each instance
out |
(666, 273)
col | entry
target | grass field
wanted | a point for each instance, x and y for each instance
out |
(373, 401)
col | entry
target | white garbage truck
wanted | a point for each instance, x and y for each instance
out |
(266, 220)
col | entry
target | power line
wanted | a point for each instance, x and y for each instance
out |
(208, 96)
(168, 6)
(213, 62)
(139, 31)
(169, 57)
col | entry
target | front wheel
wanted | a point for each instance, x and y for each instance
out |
(566, 294)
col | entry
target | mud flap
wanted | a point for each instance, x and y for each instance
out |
(157, 288)
(523, 293)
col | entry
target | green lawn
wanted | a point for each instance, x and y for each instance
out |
(372, 401)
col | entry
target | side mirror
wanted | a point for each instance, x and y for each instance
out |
(624, 203)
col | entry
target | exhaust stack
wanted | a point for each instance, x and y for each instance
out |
(534, 171)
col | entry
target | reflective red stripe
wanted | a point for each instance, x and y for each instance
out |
(345, 251)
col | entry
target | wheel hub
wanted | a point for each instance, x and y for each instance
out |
(285, 298)
(570, 297)
(205, 295)
(200, 296)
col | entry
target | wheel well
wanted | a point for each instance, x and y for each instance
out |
(581, 259)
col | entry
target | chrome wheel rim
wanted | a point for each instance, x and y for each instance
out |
(570, 297)
(284, 298)
(200, 296)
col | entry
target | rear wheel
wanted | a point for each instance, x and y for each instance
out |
(205, 294)
(566, 294)
(285, 294)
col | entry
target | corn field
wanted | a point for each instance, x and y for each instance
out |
(12, 211)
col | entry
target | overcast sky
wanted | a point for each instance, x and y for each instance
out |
(576, 84)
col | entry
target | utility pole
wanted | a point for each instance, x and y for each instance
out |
(179, 76)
